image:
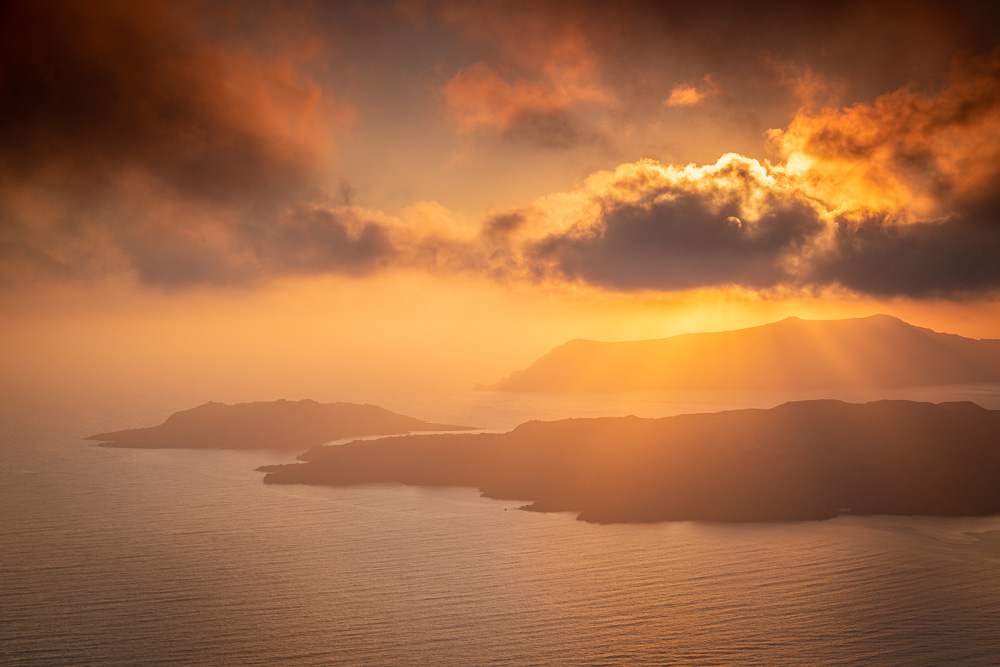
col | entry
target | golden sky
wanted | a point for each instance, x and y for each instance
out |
(291, 193)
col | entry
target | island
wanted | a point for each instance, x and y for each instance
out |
(798, 461)
(285, 425)
(880, 351)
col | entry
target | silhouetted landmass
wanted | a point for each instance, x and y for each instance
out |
(295, 425)
(798, 461)
(793, 354)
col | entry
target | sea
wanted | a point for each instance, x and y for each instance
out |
(180, 557)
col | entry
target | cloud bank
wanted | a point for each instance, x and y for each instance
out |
(129, 137)
(141, 139)
(894, 198)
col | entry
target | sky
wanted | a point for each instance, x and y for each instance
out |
(291, 196)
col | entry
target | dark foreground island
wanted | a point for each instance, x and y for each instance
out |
(798, 461)
(295, 425)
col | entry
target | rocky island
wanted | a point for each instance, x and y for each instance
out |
(287, 425)
(798, 461)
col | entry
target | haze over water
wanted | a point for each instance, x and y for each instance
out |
(152, 556)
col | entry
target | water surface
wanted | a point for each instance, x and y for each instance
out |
(154, 556)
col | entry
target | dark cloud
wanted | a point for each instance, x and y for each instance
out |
(92, 90)
(502, 225)
(301, 241)
(316, 240)
(133, 136)
(921, 260)
(687, 241)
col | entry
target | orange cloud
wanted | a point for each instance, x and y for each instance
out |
(481, 99)
(686, 95)
(911, 181)
(546, 76)
(907, 151)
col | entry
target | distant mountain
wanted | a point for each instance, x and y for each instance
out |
(798, 461)
(877, 351)
(296, 425)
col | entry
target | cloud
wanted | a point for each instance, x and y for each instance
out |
(875, 256)
(480, 98)
(91, 91)
(648, 226)
(301, 241)
(603, 68)
(913, 179)
(311, 240)
(898, 197)
(540, 112)
(545, 79)
(131, 137)
(926, 153)
(686, 95)
(158, 139)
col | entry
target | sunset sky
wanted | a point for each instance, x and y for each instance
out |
(286, 196)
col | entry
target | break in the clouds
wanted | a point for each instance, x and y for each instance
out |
(170, 142)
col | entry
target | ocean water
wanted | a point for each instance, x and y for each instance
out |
(138, 557)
